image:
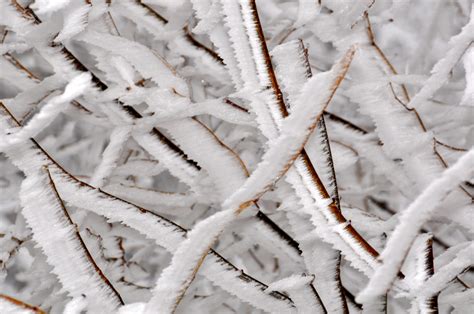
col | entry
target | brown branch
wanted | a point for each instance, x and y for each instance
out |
(255, 258)
(436, 141)
(4, 36)
(322, 129)
(22, 304)
(101, 246)
(223, 145)
(187, 33)
(16, 63)
(371, 35)
(288, 33)
(113, 22)
(26, 12)
(307, 163)
(29, 112)
(79, 106)
(316, 296)
(11, 253)
(233, 104)
(450, 146)
(285, 236)
(132, 112)
(352, 149)
(152, 12)
(349, 124)
(268, 62)
(81, 241)
(463, 283)
(123, 262)
(129, 283)
(413, 110)
(342, 291)
(432, 302)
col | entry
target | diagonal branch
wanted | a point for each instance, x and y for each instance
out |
(307, 166)
(17, 305)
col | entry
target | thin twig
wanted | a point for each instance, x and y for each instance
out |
(305, 158)
(382, 54)
(405, 92)
(187, 33)
(22, 304)
(418, 117)
(113, 22)
(11, 253)
(20, 66)
(450, 146)
(432, 302)
(345, 122)
(79, 238)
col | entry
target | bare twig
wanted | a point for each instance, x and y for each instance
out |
(21, 304)
(307, 163)
(80, 240)
(405, 92)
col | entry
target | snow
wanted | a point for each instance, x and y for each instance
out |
(411, 221)
(236, 156)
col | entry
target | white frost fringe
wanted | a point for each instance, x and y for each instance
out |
(441, 70)
(299, 289)
(42, 209)
(77, 87)
(167, 235)
(411, 221)
(111, 155)
(295, 131)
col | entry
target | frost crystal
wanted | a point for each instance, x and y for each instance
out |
(236, 156)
